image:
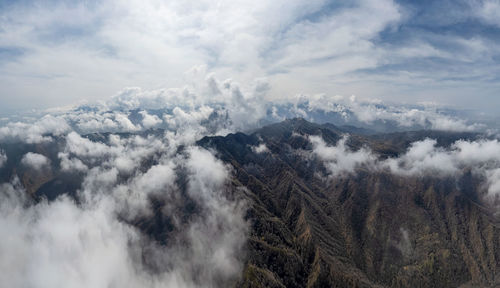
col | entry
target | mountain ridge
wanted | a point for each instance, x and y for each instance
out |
(370, 228)
(352, 231)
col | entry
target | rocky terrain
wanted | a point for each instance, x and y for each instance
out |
(370, 228)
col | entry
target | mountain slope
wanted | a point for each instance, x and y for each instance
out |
(308, 228)
(368, 229)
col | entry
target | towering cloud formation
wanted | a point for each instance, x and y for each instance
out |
(210, 106)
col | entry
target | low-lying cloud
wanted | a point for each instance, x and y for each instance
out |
(221, 106)
(340, 159)
(422, 158)
(136, 160)
(92, 240)
(35, 161)
(36, 132)
(3, 158)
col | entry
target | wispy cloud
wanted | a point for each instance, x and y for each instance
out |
(61, 52)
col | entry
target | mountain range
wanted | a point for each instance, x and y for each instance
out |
(310, 227)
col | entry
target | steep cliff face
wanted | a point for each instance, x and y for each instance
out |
(364, 229)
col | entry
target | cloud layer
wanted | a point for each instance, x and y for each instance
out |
(233, 66)
(140, 162)
(93, 239)
(422, 158)
(394, 50)
(210, 106)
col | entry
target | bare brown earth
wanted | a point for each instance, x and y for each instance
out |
(370, 229)
(367, 229)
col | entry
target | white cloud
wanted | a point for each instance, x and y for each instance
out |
(493, 178)
(35, 161)
(125, 123)
(134, 196)
(300, 46)
(488, 11)
(262, 148)
(82, 147)
(149, 121)
(424, 117)
(36, 132)
(71, 164)
(343, 40)
(3, 158)
(223, 223)
(60, 244)
(86, 243)
(424, 158)
(340, 159)
(148, 43)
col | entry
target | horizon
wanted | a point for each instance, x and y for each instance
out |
(60, 53)
(286, 143)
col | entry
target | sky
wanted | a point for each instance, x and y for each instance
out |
(205, 68)
(59, 53)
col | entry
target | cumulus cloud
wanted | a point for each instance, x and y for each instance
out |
(422, 158)
(241, 107)
(262, 148)
(94, 240)
(35, 161)
(134, 196)
(125, 123)
(126, 175)
(300, 46)
(71, 164)
(60, 245)
(36, 132)
(125, 154)
(368, 112)
(425, 157)
(149, 121)
(244, 104)
(83, 147)
(340, 158)
(211, 106)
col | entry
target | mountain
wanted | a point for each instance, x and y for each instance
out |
(308, 228)
(368, 229)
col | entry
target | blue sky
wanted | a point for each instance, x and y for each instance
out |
(57, 53)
